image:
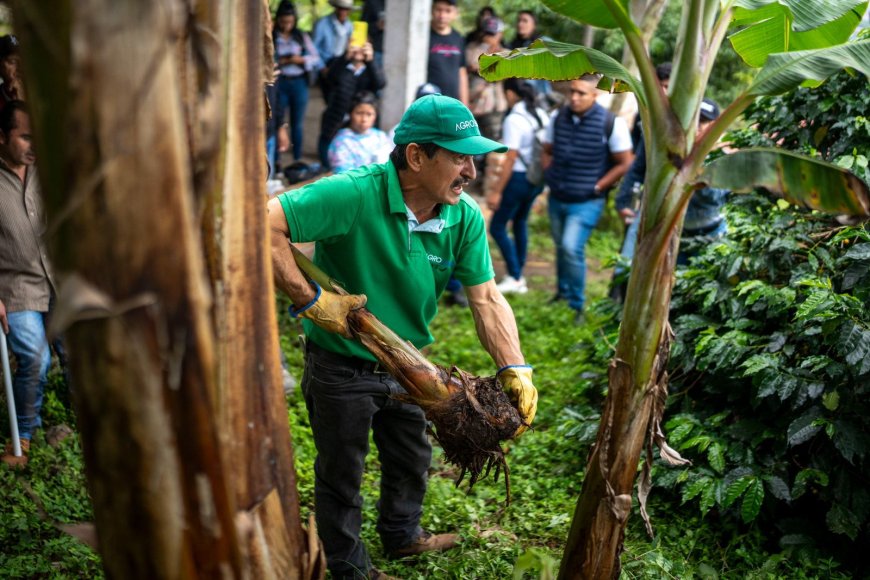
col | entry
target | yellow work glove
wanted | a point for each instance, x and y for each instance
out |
(516, 380)
(329, 310)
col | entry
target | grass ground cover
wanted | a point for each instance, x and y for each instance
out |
(523, 540)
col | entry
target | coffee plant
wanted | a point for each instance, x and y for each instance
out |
(771, 364)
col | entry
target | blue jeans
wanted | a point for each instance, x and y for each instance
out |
(271, 151)
(29, 345)
(346, 400)
(516, 203)
(628, 244)
(571, 225)
(292, 95)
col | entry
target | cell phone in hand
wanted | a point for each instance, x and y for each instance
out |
(360, 34)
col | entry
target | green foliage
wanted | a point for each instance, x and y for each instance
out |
(772, 362)
(773, 26)
(831, 122)
(797, 178)
(728, 78)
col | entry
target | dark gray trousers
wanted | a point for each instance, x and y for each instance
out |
(346, 397)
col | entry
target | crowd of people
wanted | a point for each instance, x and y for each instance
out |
(393, 221)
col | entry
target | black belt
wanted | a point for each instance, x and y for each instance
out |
(702, 231)
(366, 366)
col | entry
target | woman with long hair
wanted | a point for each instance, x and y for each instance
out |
(296, 57)
(512, 196)
(526, 30)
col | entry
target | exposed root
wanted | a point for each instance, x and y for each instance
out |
(470, 425)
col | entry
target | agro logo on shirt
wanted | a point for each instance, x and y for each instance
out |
(439, 263)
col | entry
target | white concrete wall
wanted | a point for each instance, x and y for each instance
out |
(406, 56)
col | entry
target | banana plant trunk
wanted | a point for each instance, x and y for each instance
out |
(148, 124)
(637, 389)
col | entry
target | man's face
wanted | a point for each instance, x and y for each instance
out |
(342, 14)
(9, 68)
(443, 14)
(446, 175)
(581, 96)
(17, 147)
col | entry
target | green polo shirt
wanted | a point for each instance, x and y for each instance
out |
(359, 222)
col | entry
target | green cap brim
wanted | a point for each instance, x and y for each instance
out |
(475, 145)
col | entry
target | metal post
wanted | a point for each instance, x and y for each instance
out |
(10, 397)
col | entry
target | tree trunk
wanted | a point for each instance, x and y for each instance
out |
(602, 511)
(149, 129)
(637, 389)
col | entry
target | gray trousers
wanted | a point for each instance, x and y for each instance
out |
(346, 397)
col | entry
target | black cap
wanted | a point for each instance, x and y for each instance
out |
(8, 45)
(709, 110)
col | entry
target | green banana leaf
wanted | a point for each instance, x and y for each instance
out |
(803, 14)
(796, 178)
(787, 70)
(775, 34)
(593, 12)
(558, 61)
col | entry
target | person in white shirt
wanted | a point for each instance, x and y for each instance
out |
(512, 196)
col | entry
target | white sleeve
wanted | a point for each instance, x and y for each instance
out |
(620, 137)
(512, 132)
(548, 134)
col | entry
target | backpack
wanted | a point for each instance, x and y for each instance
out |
(534, 168)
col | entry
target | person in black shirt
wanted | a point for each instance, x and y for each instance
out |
(447, 52)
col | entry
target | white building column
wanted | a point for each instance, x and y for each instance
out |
(406, 55)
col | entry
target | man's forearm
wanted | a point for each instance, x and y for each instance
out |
(495, 323)
(288, 277)
(613, 175)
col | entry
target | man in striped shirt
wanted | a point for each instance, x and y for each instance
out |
(26, 285)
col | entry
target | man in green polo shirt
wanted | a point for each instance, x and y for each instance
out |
(390, 234)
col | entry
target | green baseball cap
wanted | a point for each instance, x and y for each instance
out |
(446, 122)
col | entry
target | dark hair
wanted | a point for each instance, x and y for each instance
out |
(364, 98)
(8, 45)
(489, 10)
(7, 115)
(526, 92)
(530, 13)
(663, 71)
(286, 8)
(399, 154)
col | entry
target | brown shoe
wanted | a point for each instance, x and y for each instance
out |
(375, 574)
(426, 542)
(15, 461)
